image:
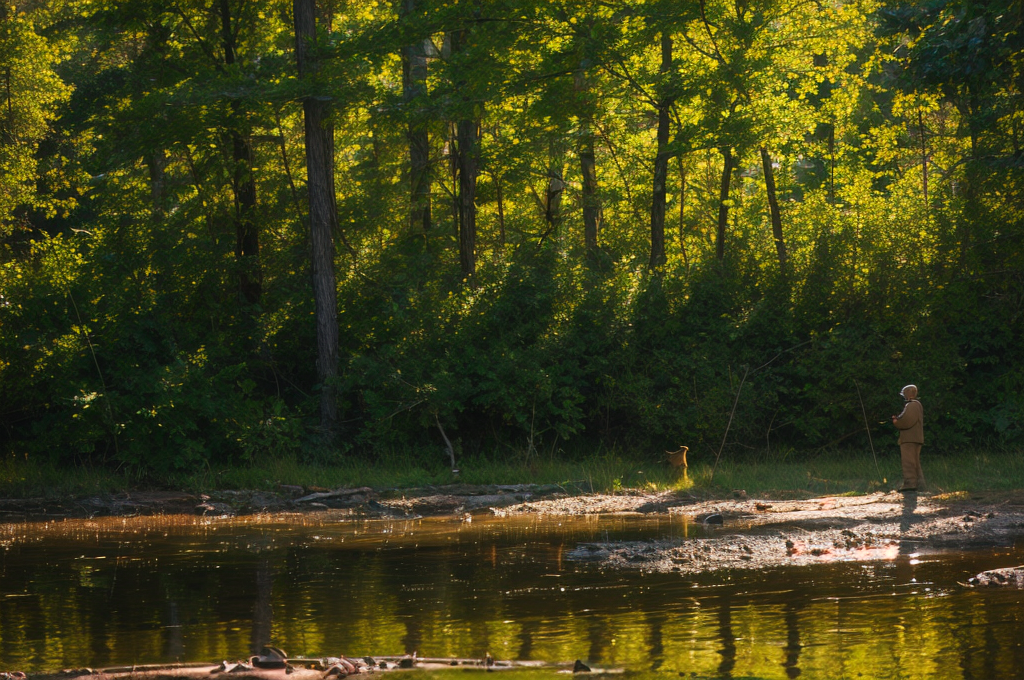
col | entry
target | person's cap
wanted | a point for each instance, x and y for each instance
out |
(909, 392)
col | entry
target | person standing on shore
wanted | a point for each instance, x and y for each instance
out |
(910, 423)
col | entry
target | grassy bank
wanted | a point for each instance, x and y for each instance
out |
(838, 472)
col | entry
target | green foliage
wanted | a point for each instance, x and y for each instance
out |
(134, 134)
(33, 93)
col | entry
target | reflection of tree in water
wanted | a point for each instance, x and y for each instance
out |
(986, 647)
(841, 650)
(597, 632)
(992, 647)
(407, 579)
(1017, 661)
(262, 608)
(99, 616)
(962, 635)
(174, 642)
(793, 645)
(728, 651)
(413, 638)
(655, 644)
(466, 600)
(526, 633)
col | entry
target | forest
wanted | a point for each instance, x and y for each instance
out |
(232, 230)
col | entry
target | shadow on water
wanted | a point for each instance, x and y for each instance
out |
(105, 592)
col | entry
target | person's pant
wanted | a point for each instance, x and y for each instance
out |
(913, 476)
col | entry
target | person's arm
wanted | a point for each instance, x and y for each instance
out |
(907, 419)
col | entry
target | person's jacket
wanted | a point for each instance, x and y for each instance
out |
(910, 423)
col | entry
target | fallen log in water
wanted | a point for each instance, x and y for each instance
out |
(275, 666)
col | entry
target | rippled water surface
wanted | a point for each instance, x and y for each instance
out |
(119, 591)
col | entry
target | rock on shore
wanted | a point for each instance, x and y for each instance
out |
(1010, 577)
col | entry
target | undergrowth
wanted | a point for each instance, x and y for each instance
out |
(764, 473)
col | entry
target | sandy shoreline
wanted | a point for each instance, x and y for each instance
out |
(735, 533)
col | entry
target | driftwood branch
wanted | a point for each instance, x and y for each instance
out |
(729, 424)
(265, 668)
(447, 443)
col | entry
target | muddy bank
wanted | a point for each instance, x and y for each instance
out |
(627, 502)
(455, 499)
(758, 534)
(574, 498)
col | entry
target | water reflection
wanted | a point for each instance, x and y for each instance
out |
(655, 643)
(728, 640)
(793, 646)
(111, 592)
(262, 607)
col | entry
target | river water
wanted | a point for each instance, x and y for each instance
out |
(143, 590)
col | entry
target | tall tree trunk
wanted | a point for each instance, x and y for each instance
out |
(323, 215)
(469, 155)
(682, 213)
(588, 168)
(723, 202)
(227, 35)
(968, 220)
(200, 194)
(7, 135)
(773, 208)
(156, 160)
(924, 157)
(453, 174)
(157, 163)
(247, 242)
(555, 188)
(832, 164)
(467, 132)
(591, 199)
(414, 87)
(658, 258)
(499, 191)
